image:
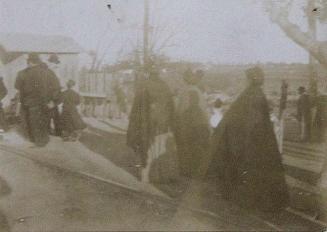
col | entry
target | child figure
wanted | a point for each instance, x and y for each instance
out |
(72, 122)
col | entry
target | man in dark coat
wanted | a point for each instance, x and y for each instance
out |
(3, 94)
(32, 86)
(151, 116)
(320, 122)
(245, 153)
(304, 114)
(54, 90)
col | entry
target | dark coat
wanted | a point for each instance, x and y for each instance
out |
(320, 122)
(3, 94)
(152, 114)
(193, 136)
(3, 91)
(32, 85)
(53, 85)
(304, 108)
(70, 118)
(245, 155)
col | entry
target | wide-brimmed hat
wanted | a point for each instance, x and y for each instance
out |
(301, 89)
(34, 58)
(53, 58)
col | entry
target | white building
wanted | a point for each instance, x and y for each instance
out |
(15, 47)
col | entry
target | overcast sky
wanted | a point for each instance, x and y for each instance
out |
(220, 31)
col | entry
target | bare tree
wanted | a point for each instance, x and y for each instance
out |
(279, 14)
(162, 31)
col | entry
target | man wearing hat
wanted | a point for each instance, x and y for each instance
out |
(3, 94)
(54, 91)
(32, 86)
(151, 127)
(245, 159)
(304, 114)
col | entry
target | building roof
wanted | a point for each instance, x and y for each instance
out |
(23, 43)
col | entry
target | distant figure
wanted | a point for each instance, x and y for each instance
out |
(245, 153)
(120, 100)
(32, 86)
(217, 115)
(192, 125)
(3, 94)
(320, 122)
(54, 91)
(195, 137)
(151, 127)
(304, 114)
(277, 125)
(72, 122)
(283, 99)
(199, 74)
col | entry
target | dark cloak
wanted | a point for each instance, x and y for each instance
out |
(152, 114)
(245, 155)
(32, 87)
(193, 131)
(3, 94)
(70, 118)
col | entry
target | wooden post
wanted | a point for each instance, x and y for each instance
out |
(146, 33)
(312, 30)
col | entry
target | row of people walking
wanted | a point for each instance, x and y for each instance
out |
(240, 155)
(40, 96)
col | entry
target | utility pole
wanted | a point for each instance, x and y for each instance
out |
(146, 33)
(312, 30)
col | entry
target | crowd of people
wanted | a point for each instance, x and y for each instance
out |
(44, 108)
(176, 135)
(236, 149)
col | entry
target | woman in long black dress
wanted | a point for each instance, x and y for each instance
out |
(245, 153)
(71, 120)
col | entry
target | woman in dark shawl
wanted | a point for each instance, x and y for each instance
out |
(192, 126)
(245, 153)
(72, 122)
(195, 136)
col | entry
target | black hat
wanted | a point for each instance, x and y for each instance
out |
(301, 89)
(218, 103)
(34, 58)
(53, 58)
(71, 83)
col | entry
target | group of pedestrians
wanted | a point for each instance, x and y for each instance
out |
(311, 115)
(40, 95)
(237, 151)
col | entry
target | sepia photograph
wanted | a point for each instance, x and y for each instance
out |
(163, 115)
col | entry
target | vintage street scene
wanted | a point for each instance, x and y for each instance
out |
(163, 115)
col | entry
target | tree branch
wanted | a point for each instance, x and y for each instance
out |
(316, 48)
